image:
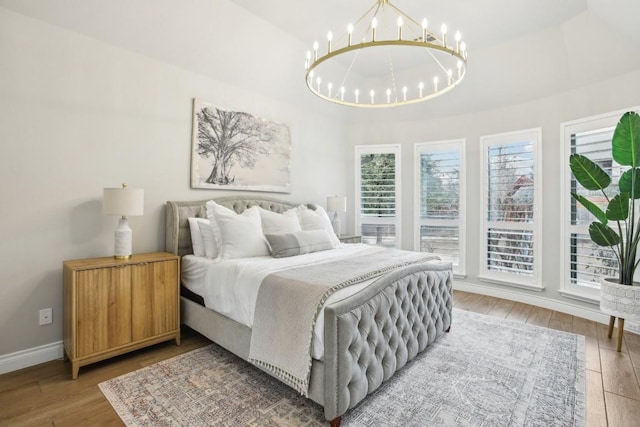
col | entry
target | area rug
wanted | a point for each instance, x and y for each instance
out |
(485, 372)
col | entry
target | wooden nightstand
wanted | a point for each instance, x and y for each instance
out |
(115, 306)
(350, 238)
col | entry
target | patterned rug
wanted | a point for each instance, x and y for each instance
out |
(485, 372)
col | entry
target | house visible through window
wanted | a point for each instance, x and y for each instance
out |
(378, 194)
(440, 198)
(511, 230)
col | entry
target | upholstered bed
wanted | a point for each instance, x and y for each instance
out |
(368, 336)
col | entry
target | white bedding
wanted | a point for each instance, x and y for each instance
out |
(231, 286)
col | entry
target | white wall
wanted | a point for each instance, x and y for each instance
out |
(610, 95)
(77, 115)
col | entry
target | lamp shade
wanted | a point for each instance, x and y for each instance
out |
(123, 201)
(336, 204)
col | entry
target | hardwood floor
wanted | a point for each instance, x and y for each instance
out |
(45, 395)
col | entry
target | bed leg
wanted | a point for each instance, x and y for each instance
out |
(336, 422)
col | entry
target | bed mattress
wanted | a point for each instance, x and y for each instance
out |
(230, 287)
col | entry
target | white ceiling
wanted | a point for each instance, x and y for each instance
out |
(518, 49)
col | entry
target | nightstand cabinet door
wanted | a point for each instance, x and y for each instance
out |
(154, 299)
(103, 309)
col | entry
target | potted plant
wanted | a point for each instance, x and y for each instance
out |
(618, 226)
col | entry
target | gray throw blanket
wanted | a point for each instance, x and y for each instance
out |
(289, 302)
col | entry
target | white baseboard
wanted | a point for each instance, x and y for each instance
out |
(33, 356)
(564, 307)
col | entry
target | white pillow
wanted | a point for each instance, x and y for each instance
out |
(280, 223)
(317, 220)
(241, 235)
(208, 236)
(197, 243)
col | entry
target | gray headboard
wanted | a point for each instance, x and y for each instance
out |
(178, 235)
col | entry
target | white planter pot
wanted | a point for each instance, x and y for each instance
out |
(621, 301)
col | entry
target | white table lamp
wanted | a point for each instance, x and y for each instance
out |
(123, 202)
(336, 204)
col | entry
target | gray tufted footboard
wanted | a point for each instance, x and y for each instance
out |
(370, 336)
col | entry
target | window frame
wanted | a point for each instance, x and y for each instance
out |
(380, 149)
(533, 282)
(430, 147)
(585, 124)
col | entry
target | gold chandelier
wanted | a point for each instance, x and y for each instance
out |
(385, 59)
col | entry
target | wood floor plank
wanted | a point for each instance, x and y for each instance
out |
(592, 354)
(612, 342)
(585, 327)
(519, 312)
(633, 346)
(465, 301)
(539, 316)
(460, 296)
(561, 321)
(595, 406)
(618, 375)
(501, 308)
(622, 411)
(482, 305)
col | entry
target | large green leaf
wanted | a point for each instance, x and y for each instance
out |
(587, 173)
(603, 235)
(625, 182)
(618, 209)
(625, 145)
(591, 207)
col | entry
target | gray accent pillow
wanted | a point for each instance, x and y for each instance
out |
(298, 243)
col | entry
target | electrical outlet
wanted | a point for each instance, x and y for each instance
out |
(46, 316)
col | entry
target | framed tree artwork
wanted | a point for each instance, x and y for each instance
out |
(233, 150)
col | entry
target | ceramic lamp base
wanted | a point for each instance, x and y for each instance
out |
(336, 225)
(123, 237)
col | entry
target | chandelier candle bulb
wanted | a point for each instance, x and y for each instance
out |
(374, 24)
(342, 93)
(372, 94)
(315, 51)
(444, 34)
(329, 38)
(350, 32)
(420, 87)
(458, 38)
(329, 86)
(357, 93)
(424, 30)
(449, 76)
(318, 81)
(400, 23)
(404, 93)
(388, 96)
(435, 84)
(459, 69)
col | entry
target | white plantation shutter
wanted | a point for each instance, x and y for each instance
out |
(511, 229)
(589, 262)
(440, 200)
(378, 194)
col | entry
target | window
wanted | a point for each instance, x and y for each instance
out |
(439, 200)
(378, 194)
(583, 262)
(511, 206)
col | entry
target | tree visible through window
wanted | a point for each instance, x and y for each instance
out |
(378, 178)
(440, 201)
